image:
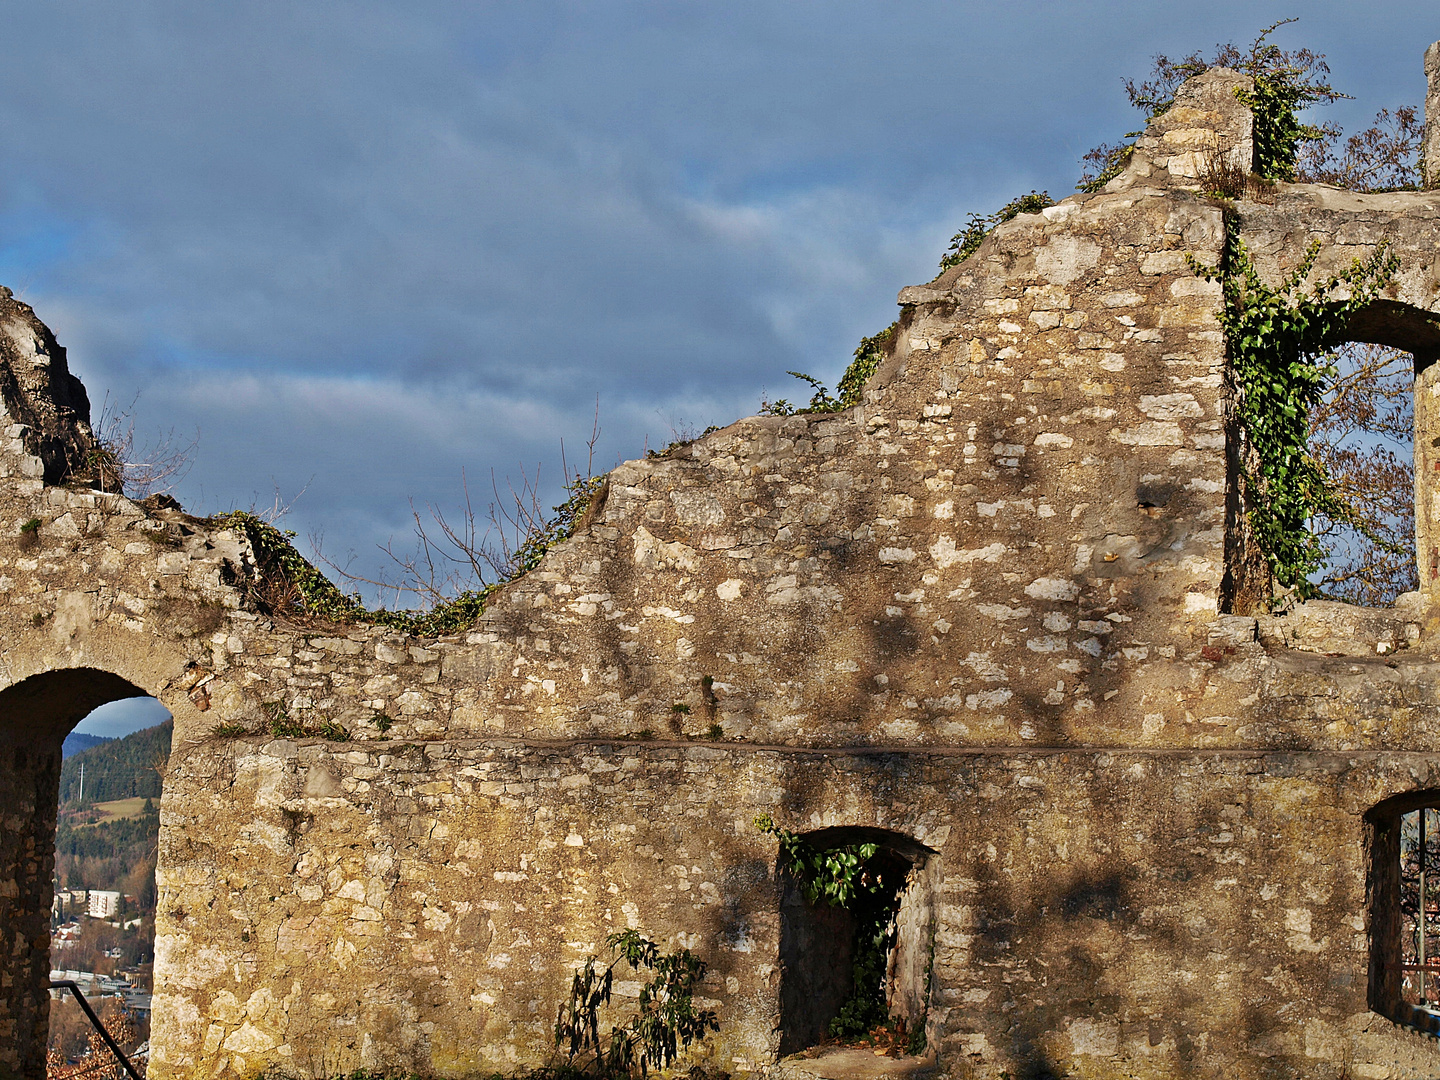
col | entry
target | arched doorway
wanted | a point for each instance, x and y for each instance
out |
(884, 939)
(106, 847)
(35, 716)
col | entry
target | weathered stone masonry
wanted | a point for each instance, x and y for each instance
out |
(992, 611)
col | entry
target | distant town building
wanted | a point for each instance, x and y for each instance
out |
(103, 903)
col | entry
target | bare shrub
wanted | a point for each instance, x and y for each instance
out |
(119, 463)
(1383, 157)
(465, 554)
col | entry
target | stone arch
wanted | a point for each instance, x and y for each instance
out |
(1415, 330)
(817, 942)
(1401, 326)
(35, 716)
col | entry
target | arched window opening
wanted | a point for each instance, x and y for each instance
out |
(1363, 433)
(1404, 909)
(102, 922)
(1379, 436)
(1419, 914)
(36, 715)
(847, 971)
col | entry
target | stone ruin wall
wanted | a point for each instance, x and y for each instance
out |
(988, 610)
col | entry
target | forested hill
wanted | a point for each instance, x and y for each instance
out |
(75, 742)
(125, 768)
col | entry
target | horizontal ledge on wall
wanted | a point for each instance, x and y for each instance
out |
(863, 750)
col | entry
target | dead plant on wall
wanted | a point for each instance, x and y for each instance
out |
(468, 553)
(123, 463)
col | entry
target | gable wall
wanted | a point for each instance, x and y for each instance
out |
(983, 609)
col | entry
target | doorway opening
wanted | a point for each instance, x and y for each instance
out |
(102, 922)
(36, 715)
(848, 971)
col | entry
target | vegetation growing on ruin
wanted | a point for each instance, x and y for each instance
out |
(1281, 343)
(964, 243)
(286, 583)
(120, 463)
(848, 876)
(849, 391)
(1358, 542)
(663, 1027)
(871, 350)
(1285, 81)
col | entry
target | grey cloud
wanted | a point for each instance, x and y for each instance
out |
(508, 208)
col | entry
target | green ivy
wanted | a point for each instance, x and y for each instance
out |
(834, 875)
(1279, 340)
(872, 350)
(283, 568)
(288, 581)
(851, 389)
(561, 527)
(1280, 88)
(964, 243)
(866, 1008)
(1116, 158)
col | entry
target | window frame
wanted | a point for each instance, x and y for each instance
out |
(1384, 826)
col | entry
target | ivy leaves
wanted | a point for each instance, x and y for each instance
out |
(850, 390)
(288, 584)
(1284, 82)
(964, 243)
(1279, 341)
(835, 875)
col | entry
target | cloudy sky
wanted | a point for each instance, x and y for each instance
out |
(361, 247)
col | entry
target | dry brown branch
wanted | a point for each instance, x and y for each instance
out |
(120, 464)
(1383, 157)
(1362, 433)
(462, 552)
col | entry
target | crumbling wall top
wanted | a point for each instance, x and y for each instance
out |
(1430, 160)
(48, 408)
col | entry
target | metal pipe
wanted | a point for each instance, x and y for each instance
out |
(66, 984)
(1420, 907)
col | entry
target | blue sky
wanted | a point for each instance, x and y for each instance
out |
(122, 717)
(364, 246)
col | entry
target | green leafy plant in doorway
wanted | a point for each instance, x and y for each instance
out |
(832, 876)
(846, 876)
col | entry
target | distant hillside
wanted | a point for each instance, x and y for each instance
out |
(75, 742)
(118, 768)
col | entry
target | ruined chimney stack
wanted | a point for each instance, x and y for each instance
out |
(1430, 152)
